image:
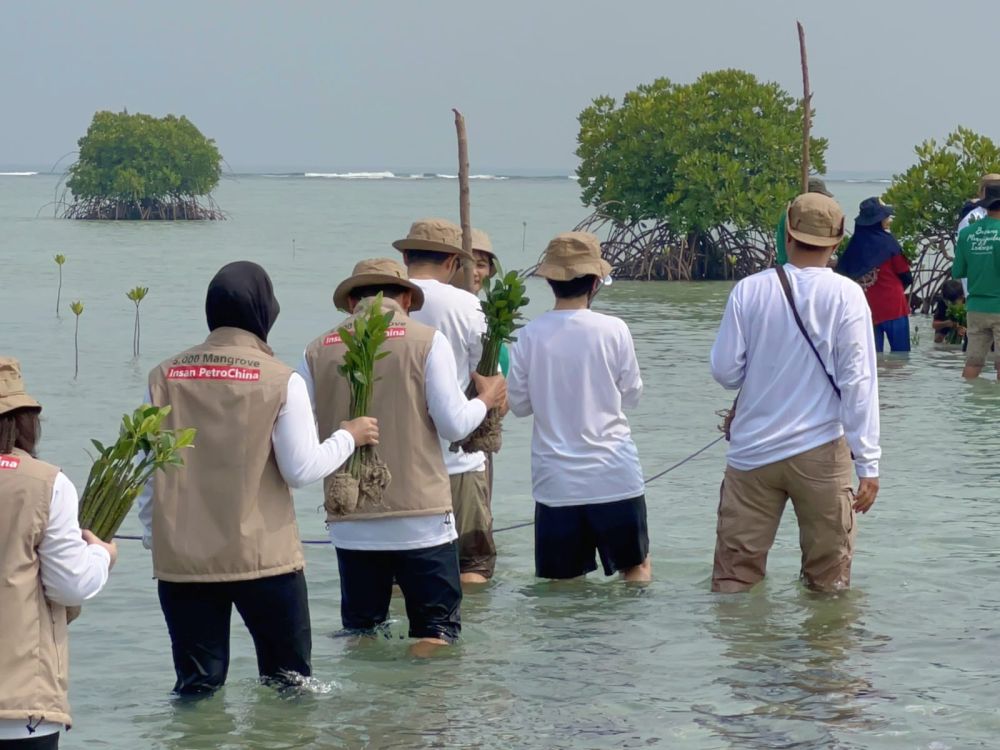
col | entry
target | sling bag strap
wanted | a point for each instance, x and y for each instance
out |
(783, 278)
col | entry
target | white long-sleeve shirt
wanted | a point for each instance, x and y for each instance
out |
(787, 405)
(302, 459)
(458, 316)
(454, 417)
(72, 572)
(576, 371)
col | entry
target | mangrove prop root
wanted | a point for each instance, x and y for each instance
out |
(181, 208)
(488, 437)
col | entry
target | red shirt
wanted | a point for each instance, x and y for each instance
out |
(886, 297)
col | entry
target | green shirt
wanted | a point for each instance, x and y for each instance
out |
(504, 359)
(977, 258)
(779, 242)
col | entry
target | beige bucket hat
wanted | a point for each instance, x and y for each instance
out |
(375, 272)
(815, 219)
(439, 235)
(573, 254)
(481, 242)
(12, 393)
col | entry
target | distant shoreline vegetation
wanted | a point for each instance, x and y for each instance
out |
(140, 167)
(415, 177)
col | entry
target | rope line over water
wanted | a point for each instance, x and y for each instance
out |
(525, 524)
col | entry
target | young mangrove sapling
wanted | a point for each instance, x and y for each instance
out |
(59, 259)
(502, 307)
(137, 295)
(122, 469)
(77, 308)
(364, 478)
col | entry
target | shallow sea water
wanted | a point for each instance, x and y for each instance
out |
(909, 658)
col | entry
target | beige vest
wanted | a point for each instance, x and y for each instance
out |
(34, 654)
(408, 440)
(227, 514)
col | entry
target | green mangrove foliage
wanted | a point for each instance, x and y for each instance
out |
(365, 478)
(928, 198)
(692, 177)
(143, 167)
(502, 308)
(122, 469)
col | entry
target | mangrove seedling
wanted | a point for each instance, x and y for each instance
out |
(363, 481)
(502, 307)
(77, 308)
(59, 259)
(955, 312)
(137, 295)
(122, 469)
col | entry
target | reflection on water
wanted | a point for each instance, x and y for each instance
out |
(789, 668)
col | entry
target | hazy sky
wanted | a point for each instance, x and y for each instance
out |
(321, 84)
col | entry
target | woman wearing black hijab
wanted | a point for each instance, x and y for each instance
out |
(222, 526)
(875, 260)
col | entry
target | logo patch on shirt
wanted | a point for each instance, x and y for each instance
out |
(396, 332)
(203, 372)
(9, 462)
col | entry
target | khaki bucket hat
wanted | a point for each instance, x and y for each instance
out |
(481, 242)
(815, 219)
(573, 254)
(12, 393)
(985, 180)
(376, 272)
(439, 235)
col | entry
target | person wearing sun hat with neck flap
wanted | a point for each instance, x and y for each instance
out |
(409, 537)
(875, 260)
(796, 441)
(433, 253)
(977, 259)
(46, 566)
(575, 372)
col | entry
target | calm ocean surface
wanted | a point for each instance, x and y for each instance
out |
(910, 658)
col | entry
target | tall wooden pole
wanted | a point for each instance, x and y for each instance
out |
(806, 108)
(468, 263)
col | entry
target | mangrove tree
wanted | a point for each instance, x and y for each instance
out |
(136, 166)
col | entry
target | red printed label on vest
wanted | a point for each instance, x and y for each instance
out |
(393, 333)
(244, 374)
(9, 462)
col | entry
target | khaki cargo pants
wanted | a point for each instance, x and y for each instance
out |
(470, 499)
(819, 485)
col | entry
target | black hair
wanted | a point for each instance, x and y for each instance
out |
(428, 256)
(577, 287)
(392, 291)
(20, 428)
(952, 291)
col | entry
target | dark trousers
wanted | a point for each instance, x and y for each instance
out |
(274, 609)
(45, 742)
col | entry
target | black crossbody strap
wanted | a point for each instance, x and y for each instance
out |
(783, 278)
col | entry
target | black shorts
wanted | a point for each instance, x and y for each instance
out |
(428, 578)
(567, 536)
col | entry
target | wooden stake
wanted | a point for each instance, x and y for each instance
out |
(468, 263)
(806, 108)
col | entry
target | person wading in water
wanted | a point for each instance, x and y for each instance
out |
(432, 252)
(222, 526)
(46, 565)
(575, 371)
(808, 328)
(410, 536)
